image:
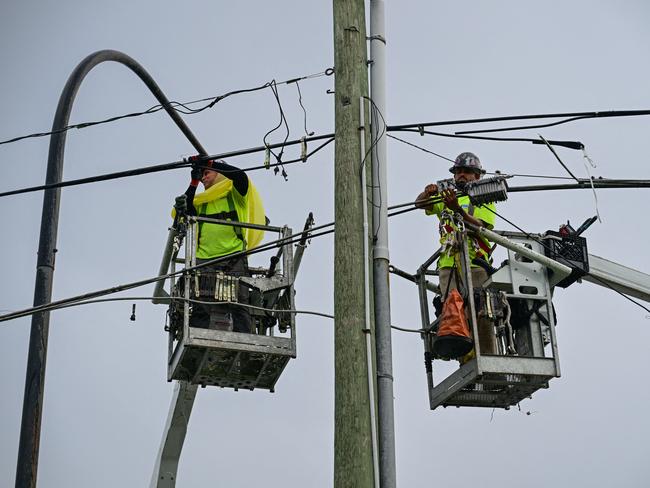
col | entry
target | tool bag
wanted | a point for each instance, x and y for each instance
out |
(453, 339)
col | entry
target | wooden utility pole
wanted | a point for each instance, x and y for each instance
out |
(353, 457)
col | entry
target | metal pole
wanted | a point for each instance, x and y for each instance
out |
(368, 303)
(384, 352)
(30, 430)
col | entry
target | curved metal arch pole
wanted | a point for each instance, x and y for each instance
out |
(30, 431)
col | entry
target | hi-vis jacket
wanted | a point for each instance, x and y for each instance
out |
(223, 201)
(478, 246)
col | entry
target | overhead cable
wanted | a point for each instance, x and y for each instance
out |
(262, 248)
(507, 118)
(420, 148)
(569, 144)
(154, 169)
(550, 148)
(571, 118)
(181, 107)
(182, 299)
(136, 284)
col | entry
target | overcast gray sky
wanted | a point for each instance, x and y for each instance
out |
(106, 396)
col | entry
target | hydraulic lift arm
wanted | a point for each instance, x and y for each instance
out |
(629, 281)
(164, 472)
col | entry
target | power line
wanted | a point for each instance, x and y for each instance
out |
(182, 299)
(569, 144)
(154, 169)
(421, 148)
(550, 148)
(584, 184)
(508, 118)
(489, 173)
(285, 143)
(585, 115)
(136, 284)
(262, 248)
(181, 107)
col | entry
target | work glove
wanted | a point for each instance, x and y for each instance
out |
(431, 190)
(197, 172)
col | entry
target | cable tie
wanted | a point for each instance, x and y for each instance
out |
(421, 130)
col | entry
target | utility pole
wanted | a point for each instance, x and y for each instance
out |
(353, 456)
(380, 257)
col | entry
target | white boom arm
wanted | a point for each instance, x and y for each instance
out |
(164, 471)
(602, 272)
(629, 281)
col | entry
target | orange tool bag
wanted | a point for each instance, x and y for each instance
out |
(453, 339)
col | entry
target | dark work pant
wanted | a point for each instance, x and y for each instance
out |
(215, 316)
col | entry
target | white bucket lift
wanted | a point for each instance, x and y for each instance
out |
(517, 300)
(204, 357)
(223, 358)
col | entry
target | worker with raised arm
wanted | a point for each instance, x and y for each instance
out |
(467, 167)
(229, 195)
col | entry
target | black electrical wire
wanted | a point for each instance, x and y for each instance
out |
(185, 109)
(420, 148)
(584, 184)
(105, 177)
(550, 148)
(267, 246)
(615, 113)
(283, 120)
(182, 299)
(489, 173)
(581, 115)
(568, 144)
(550, 177)
(136, 284)
(150, 169)
(304, 111)
(375, 137)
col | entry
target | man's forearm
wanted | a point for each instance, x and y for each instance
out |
(238, 177)
(423, 201)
